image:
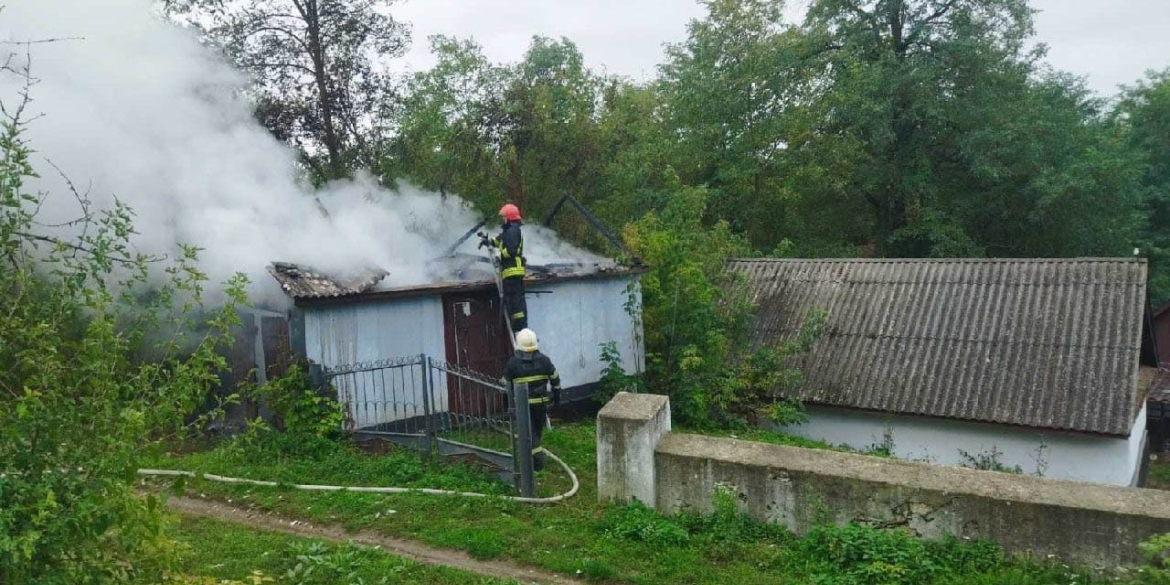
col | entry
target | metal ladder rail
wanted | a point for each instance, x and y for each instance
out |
(496, 265)
(496, 269)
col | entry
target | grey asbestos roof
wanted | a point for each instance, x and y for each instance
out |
(304, 282)
(1050, 344)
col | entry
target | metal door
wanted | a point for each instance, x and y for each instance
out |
(476, 340)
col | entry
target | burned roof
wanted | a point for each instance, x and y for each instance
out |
(473, 277)
(1050, 344)
(304, 282)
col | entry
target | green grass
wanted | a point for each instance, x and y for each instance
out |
(485, 438)
(1159, 475)
(286, 459)
(223, 550)
(602, 542)
(777, 438)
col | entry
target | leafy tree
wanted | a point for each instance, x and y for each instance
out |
(77, 405)
(1144, 114)
(448, 138)
(881, 83)
(929, 128)
(551, 102)
(635, 152)
(524, 133)
(317, 63)
(726, 88)
(698, 319)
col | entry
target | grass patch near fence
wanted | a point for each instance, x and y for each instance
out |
(292, 459)
(1159, 475)
(610, 543)
(217, 550)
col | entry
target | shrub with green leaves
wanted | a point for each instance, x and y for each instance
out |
(614, 377)
(697, 320)
(638, 522)
(77, 402)
(302, 410)
(862, 555)
(1155, 552)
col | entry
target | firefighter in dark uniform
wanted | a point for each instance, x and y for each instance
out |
(529, 366)
(510, 243)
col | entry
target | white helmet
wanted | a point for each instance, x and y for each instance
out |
(526, 340)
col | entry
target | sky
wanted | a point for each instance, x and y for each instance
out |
(1110, 42)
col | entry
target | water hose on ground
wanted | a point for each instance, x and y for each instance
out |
(373, 489)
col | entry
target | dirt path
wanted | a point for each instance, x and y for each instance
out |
(405, 548)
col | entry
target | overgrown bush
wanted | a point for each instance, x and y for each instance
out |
(861, 555)
(697, 320)
(301, 409)
(614, 377)
(720, 531)
(1156, 554)
(77, 406)
(988, 461)
(635, 521)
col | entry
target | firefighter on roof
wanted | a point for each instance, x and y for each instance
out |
(511, 246)
(529, 366)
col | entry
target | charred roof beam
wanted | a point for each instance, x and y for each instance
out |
(593, 221)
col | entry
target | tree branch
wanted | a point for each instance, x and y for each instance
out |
(83, 249)
(281, 65)
(924, 24)
(82, 200)
(946, 7)
(279, 29)
(42, 41)
(822, 50)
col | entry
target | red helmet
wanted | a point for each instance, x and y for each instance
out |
(510, 212)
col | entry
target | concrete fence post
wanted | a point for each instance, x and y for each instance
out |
(628, 430)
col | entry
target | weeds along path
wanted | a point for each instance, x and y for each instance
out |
(412, 550)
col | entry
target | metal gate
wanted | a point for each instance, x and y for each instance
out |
(435, 407)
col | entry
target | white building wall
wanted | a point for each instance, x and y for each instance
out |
(1059, 455)
(578, 317)
(572, 322)
(342, 335)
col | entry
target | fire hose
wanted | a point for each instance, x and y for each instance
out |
(373, 489)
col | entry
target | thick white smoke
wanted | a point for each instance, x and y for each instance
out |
(136, 108)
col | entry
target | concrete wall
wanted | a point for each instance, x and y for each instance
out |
(1087, 524)
(629, 428)
(1059, 455)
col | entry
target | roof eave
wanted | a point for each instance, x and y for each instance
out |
(471, 286)
(1103, 434)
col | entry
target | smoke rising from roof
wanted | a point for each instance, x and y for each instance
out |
(136, 108)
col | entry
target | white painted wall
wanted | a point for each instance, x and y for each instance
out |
(343, 335)
(1066, 455)
(577, 317)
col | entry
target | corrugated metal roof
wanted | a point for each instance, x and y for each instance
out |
(1040, 343)
(304, 282)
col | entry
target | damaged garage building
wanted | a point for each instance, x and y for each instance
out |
(575, 308)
